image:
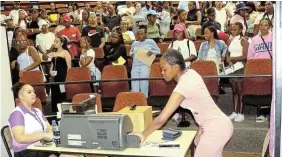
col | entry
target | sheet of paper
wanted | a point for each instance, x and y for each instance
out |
(120, 61)
(141, 55)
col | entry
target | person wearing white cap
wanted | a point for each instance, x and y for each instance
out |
(163, 18)
(44, 42)
(154, 30)
(15, 13)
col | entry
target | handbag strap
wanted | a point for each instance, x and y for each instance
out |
(266, 47)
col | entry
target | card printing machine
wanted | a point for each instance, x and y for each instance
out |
(97, 131)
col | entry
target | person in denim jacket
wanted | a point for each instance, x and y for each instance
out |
(212, 49)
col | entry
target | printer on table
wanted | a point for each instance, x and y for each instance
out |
(96, 131)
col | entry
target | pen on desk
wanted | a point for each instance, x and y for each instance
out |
(169, 145)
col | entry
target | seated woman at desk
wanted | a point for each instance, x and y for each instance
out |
(140, 69)
(115, 48)
(215, 128)
(28, 124)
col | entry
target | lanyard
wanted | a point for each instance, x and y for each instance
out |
(38, 119)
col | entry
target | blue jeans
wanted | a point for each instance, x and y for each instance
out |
(96, 75)
(142, 71)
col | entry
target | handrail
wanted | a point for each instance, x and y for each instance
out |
(154, 78)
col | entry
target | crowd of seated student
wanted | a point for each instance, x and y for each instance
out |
(109, 28)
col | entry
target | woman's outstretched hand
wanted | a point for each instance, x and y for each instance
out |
(141, 137)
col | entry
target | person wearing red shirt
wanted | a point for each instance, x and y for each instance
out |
(73, 36)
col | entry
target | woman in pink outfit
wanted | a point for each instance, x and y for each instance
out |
(215, 128)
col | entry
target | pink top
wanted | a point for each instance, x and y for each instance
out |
(238, 18)
(257, 48)
(198, 99)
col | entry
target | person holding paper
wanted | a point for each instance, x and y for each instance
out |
(215, 128)
(60, 64)
(235, 56)
(115, 51)
(213, 49)
(87, 59)
(146, 48)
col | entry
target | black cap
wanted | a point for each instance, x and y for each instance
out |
(240, 6)
(159, 3)
(210, 11)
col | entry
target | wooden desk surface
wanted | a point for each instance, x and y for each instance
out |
(184, 140)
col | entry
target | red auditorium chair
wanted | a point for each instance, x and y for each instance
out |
(99, 55)
(33, 77)
(163, 47)
(208, 68)
(198, 31)
(83, 96)
(257, 91)
(111, 89)
(129, 98)
(77, 74)
(37, 103)
(198, 44)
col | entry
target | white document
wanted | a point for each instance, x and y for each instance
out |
(141, 55)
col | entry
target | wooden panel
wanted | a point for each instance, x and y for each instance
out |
(80, 4)
(25, 2)
(62, 10)
(61, 5)
(44, 6)
(5, 12)
(92, 3)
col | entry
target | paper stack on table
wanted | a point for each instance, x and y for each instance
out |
(141, 55)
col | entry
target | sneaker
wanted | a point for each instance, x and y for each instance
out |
(261, 119)
(239, 118)
(233, 116)
(177, 118)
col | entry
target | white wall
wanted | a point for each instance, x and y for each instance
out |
(7, 98)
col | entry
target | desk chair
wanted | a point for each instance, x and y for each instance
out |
(7, 139)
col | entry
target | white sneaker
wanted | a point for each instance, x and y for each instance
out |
(261, 119)
(175, 117)
(233, 116)
(239, 118)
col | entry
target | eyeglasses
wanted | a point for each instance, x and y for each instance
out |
(18, 42)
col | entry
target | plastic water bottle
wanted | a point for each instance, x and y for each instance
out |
(56, 133)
